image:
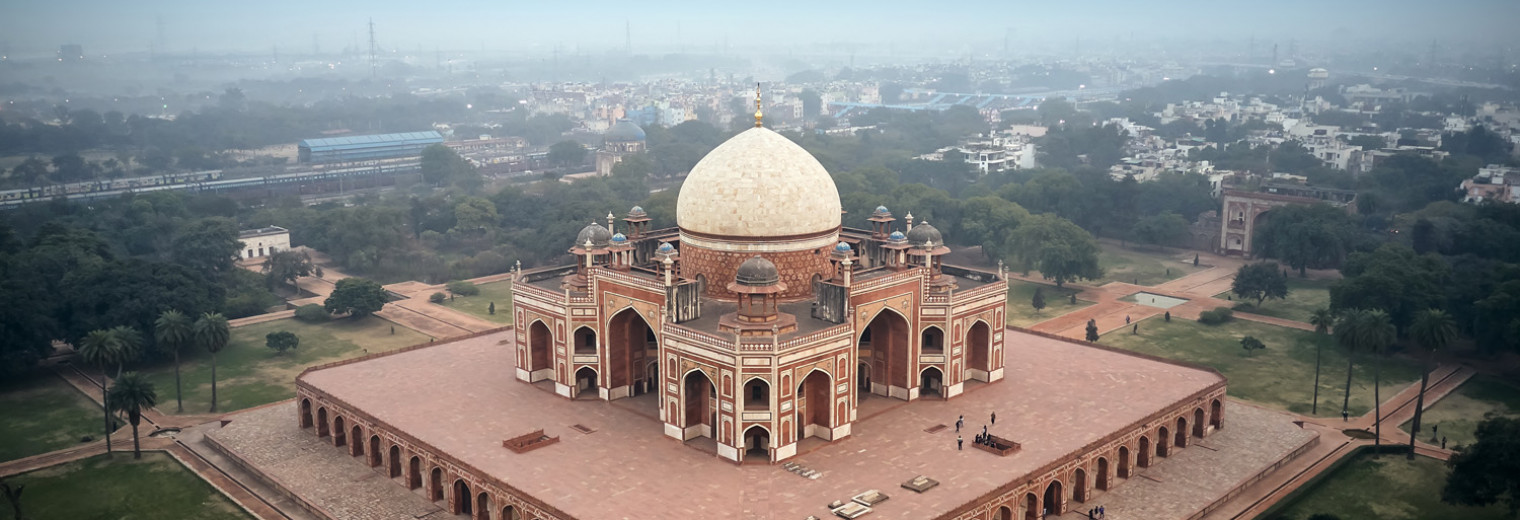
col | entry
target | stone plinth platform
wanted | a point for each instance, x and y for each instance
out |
(461, 398)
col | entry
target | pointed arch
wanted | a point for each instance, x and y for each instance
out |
(540, 346)
(885, 344)
(1216, 415)
(1123, 457)
(696, 394)
(979, 349)
(1079, 485)
(462, 498)
(586, 382)
(1003, 513)
(435, 484)
(756, 394)
(931, 382)
(414, 473)
(584, 341)
(627, 346)
(511, 513)
(1054, 500)
(306, 421)
(1163, 442)
(356, 445)
(1181, 435)
(757, 442)
(340, 431)
(374, 451)
(483, 506)
(1143, 454)
(322, 421)
(1032, 507)
(814, 405)
(931, 340)
(1198, 422)
(1102, 480)
(395, 461)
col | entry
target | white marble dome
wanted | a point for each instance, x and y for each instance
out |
(758, 184)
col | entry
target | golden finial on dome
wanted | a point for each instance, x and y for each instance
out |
(757, 106)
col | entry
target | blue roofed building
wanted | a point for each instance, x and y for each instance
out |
(366, 147)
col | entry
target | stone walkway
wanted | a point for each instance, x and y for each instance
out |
(1259, 497)
(1253, 440)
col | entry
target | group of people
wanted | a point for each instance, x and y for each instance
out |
(1095, 513)
(983, 438)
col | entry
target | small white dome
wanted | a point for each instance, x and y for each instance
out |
(758, 184)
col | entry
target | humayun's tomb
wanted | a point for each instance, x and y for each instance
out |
(759, 360)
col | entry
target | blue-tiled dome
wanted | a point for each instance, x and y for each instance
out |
(666, 248)
(898, 236)
(619, 238)
(842, 247)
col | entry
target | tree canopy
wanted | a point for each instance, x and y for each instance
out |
(1056, 247)
(357, 296)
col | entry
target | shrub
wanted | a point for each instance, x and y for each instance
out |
(1217, 316)
(313, 313)
(463, 288)
(436, 297)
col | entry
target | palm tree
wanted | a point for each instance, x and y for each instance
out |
(1322, 319)
(1377, 334)
(101, 348)
(1347, 330)
(172, 330)
(133, 394)
(1432, 329)
(130, 341)
(211, 331)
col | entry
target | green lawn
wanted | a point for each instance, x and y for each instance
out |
(1148, 266)
(1385, 488)
(101, 488)
(250, 374)
(1280, 376)
(480, 304)
(43, 413)
(1057, 302)
(1304, 297)
(1457, 415)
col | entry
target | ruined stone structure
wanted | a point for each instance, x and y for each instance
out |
(1244, 211)
(623, 139)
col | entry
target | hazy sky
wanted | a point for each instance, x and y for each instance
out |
(217, 25)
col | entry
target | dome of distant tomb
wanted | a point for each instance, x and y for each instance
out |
(759, 184)
(594, 233)
(924, 235)
(623, 131)
(757, 272)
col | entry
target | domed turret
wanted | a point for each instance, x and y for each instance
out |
(594, 233)
(925, 236)
(757, 272)
(637, 211)
(842, 248)
(898, 236)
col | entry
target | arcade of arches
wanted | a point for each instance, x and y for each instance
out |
(454, 492)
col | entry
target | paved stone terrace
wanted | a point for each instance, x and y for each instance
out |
(269, 439)
(461, 398)
(1252, 440)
